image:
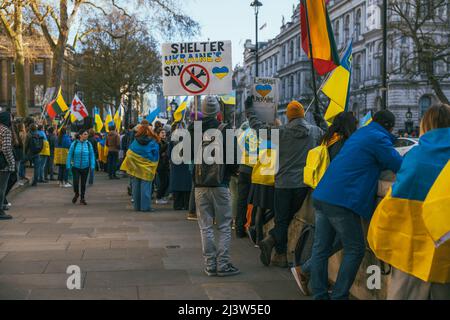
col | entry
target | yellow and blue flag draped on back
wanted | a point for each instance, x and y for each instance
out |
(141, 161)
(102, 151)
(337, 87)
(181, 110)
(248, 144)
(46, 148)
(409, 226)
(266, 167)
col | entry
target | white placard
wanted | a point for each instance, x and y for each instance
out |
(265, 98)
(196, 68)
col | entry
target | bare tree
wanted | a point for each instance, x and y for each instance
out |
(426, 24)
(59, 21)
(119, 59)
(11, 16)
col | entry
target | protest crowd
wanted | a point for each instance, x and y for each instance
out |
(338, 166)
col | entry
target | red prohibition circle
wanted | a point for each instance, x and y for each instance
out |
(186, 69)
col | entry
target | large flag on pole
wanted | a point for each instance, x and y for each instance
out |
(325, 54)
(181, 110)
(152, 115)
(78, 110)
(337, 87)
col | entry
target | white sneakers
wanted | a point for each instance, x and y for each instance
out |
(64, 185)
(161, 201)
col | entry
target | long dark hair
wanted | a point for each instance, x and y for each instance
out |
(344, 124)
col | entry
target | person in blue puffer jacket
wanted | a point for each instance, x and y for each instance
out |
(81, 158)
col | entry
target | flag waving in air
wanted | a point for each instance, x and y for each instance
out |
(337, 87)
(109, 119)
(98, 120)
(78, 110)
(181, 110)
(118, 118)
(326, 57)
(57, 106)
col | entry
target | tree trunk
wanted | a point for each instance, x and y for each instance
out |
(19, 64)
(438, 89)
(58, 52)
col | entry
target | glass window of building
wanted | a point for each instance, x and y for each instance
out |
(38, 95)
(358, 24)
(337, 32)
(38, 68)
(13, 96)
(346, 29)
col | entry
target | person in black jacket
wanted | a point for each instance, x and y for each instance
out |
(163, 167)
(344, 125)
(93, 142)
(49, 166)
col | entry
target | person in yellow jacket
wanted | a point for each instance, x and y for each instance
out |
(411, 226)
(262, 190)
(62, 146)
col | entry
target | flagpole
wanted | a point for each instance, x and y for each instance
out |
(312, 58)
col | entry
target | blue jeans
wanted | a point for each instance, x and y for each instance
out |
(22, 170)
(113, 158)
(36, 167)
(42, 162)
(332, 221)
(142, 194)
(337, 246)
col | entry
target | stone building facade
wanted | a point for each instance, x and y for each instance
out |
(38, 65)
(360, 20)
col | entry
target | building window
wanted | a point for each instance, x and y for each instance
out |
(291, 87)
(13, 96)
(424, 104)
(358, 24)
(38, 95)
(13, 68)
(291, 51)
(346, 29)
(337, 32)
(299, 83)
(38, 68)
(357, 70)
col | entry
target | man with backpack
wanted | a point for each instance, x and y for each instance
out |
(347, 192)
(34, 146)
(296, 138)
(212, 195)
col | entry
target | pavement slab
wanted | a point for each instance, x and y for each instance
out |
(122, 254)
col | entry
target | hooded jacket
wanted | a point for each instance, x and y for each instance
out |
(295, 140)
(351, 180)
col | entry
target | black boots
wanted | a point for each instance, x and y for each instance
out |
(266, 247)
(75, 198)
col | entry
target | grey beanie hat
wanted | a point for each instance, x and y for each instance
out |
(210, 106)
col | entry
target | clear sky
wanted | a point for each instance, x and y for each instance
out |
(235, 20)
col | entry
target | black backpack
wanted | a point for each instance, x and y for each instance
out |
(303, 249)
(36, 143)
(209, 175)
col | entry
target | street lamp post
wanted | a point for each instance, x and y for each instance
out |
(256, 4)
(409, 123)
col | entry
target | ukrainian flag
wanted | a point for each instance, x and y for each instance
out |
(265, 168)
(62, 150)
(411, 226)
(337, 87)
(365, 120)
(102, 151)
(181, 110)
(46, 148)
(229, 99)
(108, 120)
(98, 120)
(141, 161)
(118, 119)
(248, 144)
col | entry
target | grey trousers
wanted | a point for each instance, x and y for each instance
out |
(404, 286)
(214, 204)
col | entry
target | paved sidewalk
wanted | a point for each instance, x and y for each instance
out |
(122, 254)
